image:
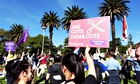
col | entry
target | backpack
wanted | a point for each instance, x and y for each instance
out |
(126, 69)
(57, 76)
(98, 70)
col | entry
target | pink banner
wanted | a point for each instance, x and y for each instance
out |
(93, 32)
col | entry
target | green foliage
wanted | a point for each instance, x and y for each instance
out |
(35, 43)
(60, 47)
(16, 32)
(3, 37)
(74, 13)
(130, 42)
(66, 49)
(116, 9)
(50, 20)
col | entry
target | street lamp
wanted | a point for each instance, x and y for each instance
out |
(43, 28)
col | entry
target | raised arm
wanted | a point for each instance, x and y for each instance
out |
(29, 56)
(22, 56)
(91, 69)
(9, 53)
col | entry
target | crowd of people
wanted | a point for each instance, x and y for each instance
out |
(71, 68)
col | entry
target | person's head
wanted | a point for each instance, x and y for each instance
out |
(57, 58)
(137, 45)
(125, 56)
(71, 63)
(111, 53)
(19, 71)
(137, 53)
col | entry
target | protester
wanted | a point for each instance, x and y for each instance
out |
(9, 57)
(101, 70)
(34, 62)
(127, 65)
(136, 60)
(137, 65)
(113, 67)
(50, 61)
(19, 72)
(55, 74)
(43, 64)
(73, 69)
(122, 74)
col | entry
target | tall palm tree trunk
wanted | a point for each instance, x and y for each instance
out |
(113, 33)
(51, 35)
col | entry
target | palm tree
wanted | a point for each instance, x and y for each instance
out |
(73, 13)
(114, 9)
(16, 32)
(50, 20)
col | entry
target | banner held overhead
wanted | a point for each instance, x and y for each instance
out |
(92, 31)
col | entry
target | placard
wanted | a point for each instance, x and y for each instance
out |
(93, 32)
(9, 45)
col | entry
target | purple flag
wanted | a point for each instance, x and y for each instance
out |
(23, 38)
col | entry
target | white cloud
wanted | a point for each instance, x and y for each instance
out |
(138, 32)
(65, 3)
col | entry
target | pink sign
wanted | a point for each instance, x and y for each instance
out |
(93, 32)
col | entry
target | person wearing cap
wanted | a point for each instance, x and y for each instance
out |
(113, 67)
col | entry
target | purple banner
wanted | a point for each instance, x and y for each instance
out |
(98, 42)
(9, 46)
(23, 38)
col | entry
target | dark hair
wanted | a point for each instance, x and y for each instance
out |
(74, 64)
(15, 67)
(57, 58)
(111, 53)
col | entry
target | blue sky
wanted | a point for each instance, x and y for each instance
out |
(29, 13)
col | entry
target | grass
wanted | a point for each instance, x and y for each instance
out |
(41, 81)
(2, 81)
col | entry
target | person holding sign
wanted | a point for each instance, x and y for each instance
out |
(73, 69)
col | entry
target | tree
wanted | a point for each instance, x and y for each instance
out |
(50, 20)
(3, 35)
(121, 48)
(35, 43)
(66, 48)
(130, 42)
(16, 32)
(114, 9)
(118, 43)
(60, 47)
(66, 41)
(73, 13)
(3, 38)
